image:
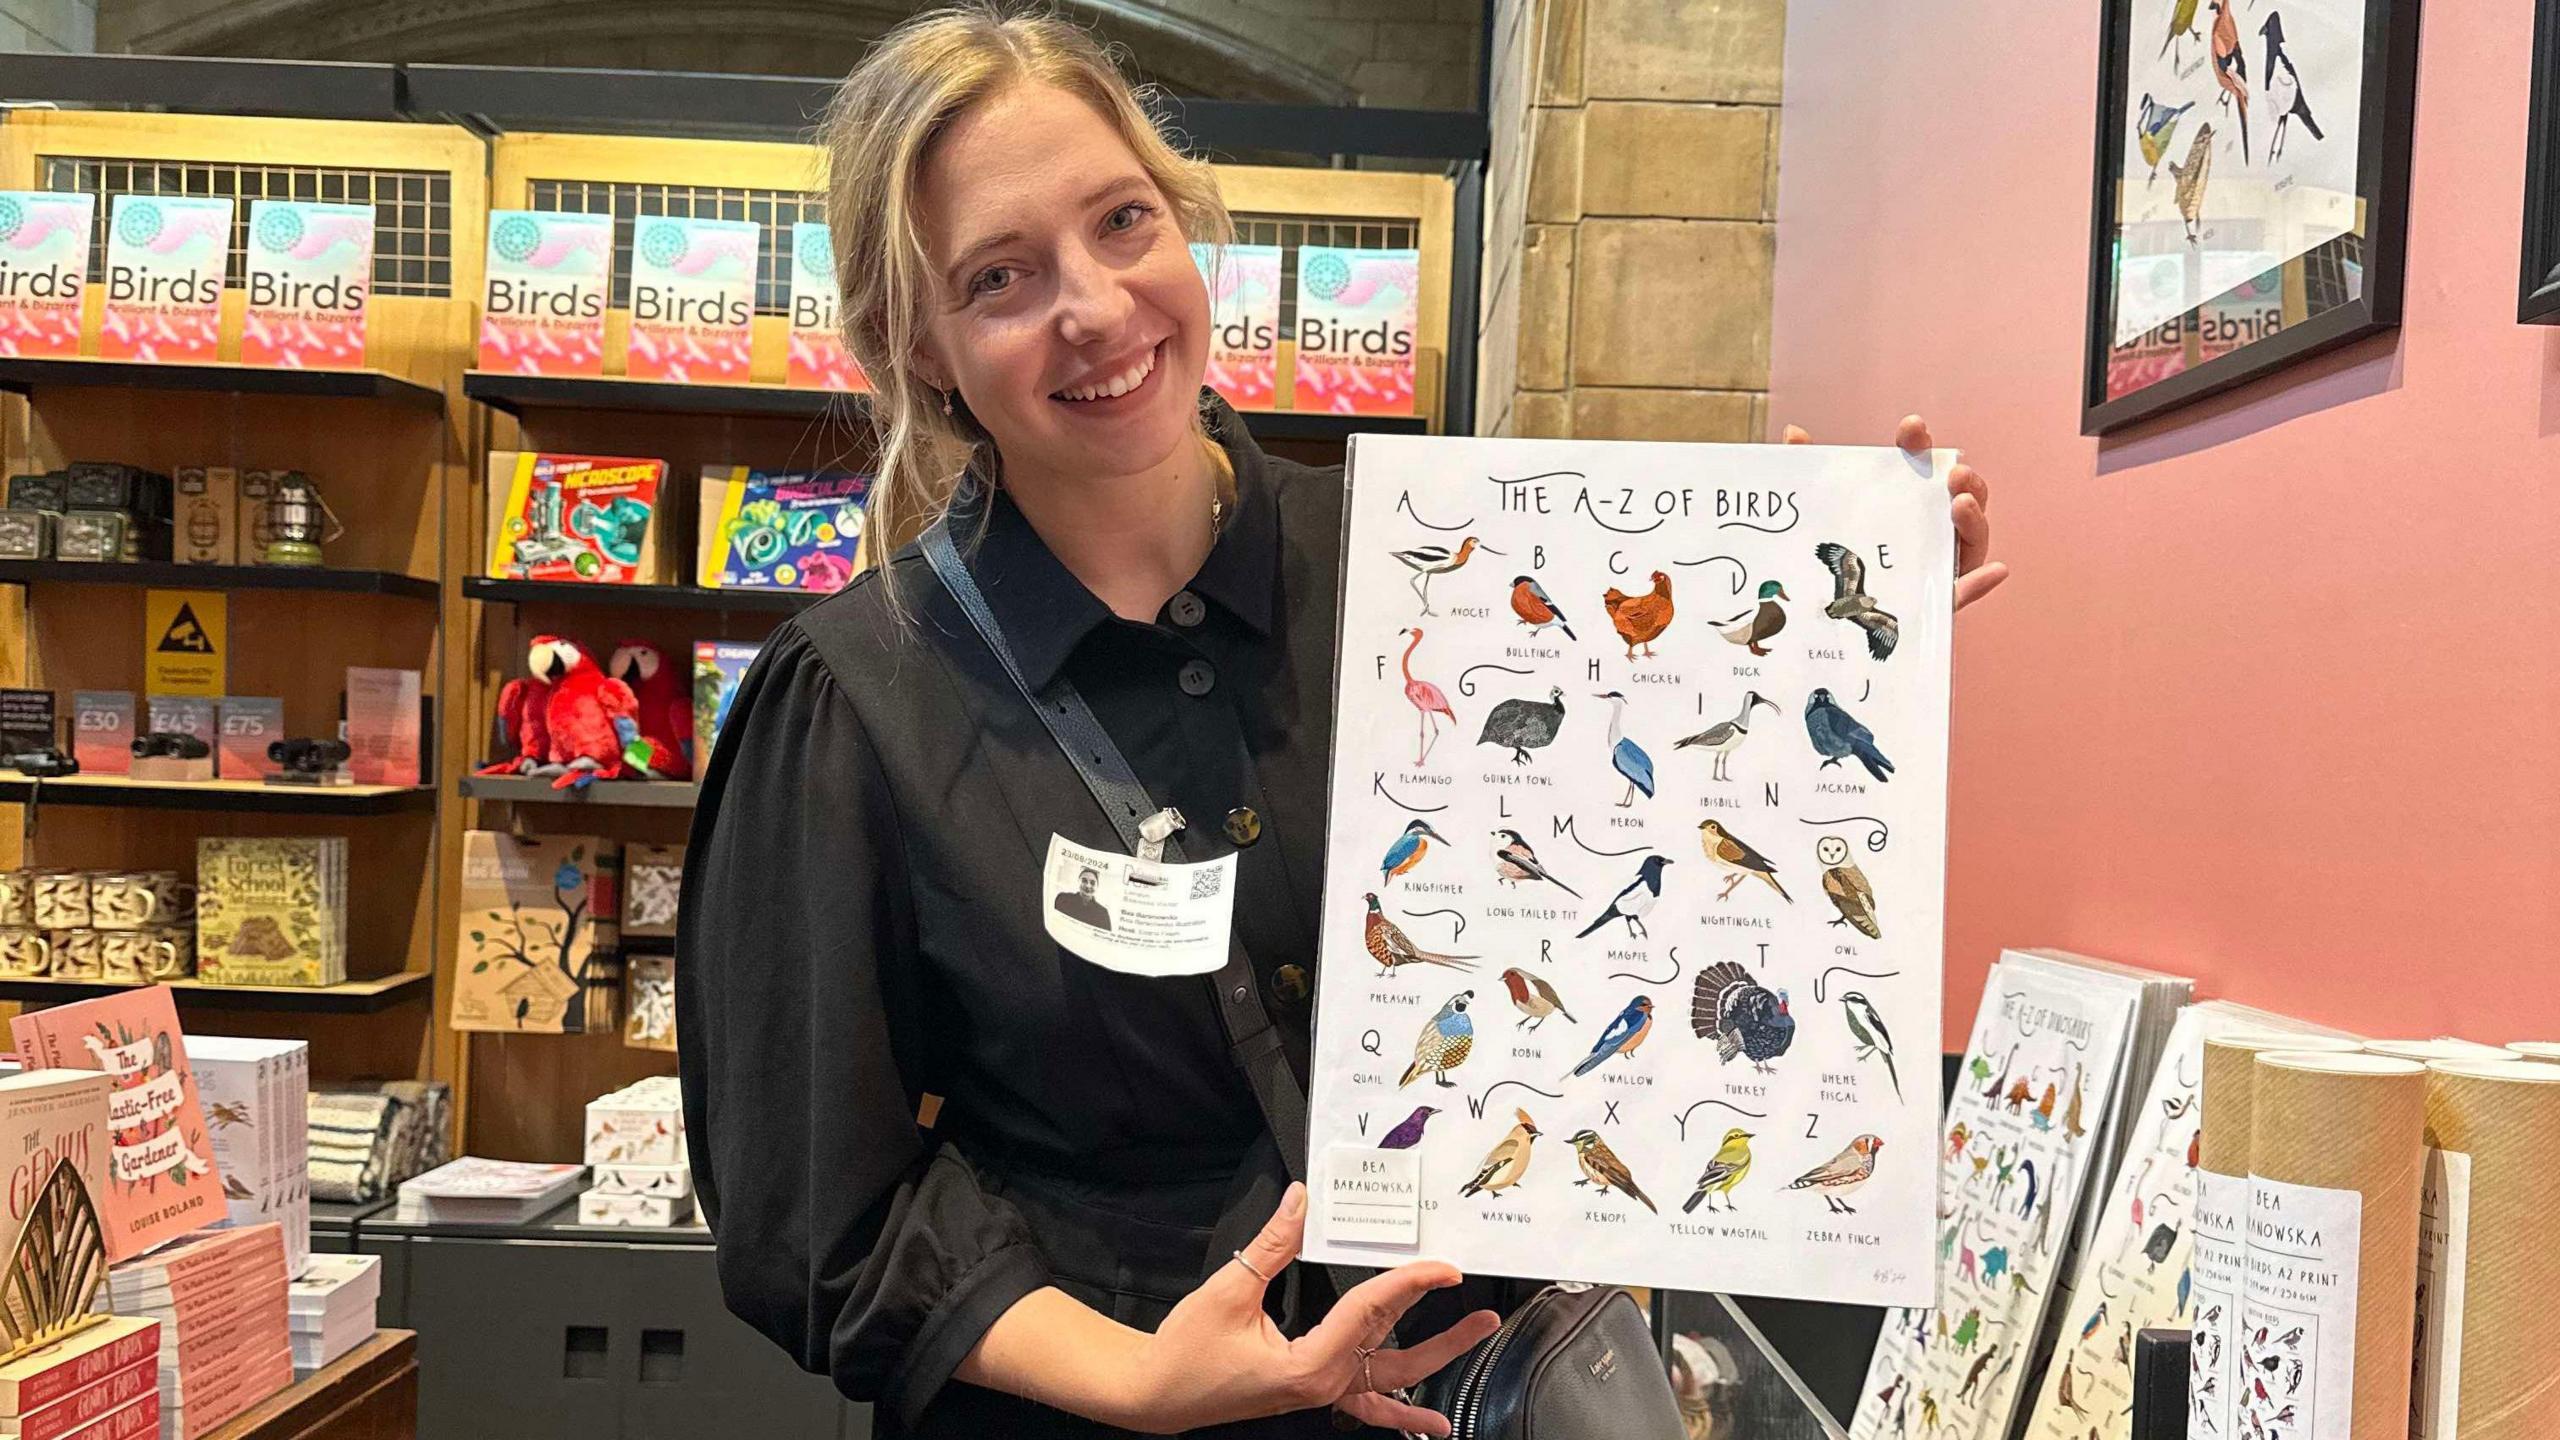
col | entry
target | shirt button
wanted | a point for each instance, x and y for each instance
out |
(1186, 610)
(1243, 826)
(1198, 678)
(1289, 982)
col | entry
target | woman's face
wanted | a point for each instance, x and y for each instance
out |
(1071, 318)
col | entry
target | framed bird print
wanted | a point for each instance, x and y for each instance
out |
(2538, 288)
(2252, 181)
(1633, 910)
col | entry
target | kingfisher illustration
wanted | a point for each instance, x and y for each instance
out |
(1408, 849)
(1726, 736)
(2154, 128)
(1537, 609)
(1426, 561)
(1626, 756)
(1390, 946)
(1621, 1037)
(1408, 1134)
(1635, 902)
(1514, 862)
(1444, 1044)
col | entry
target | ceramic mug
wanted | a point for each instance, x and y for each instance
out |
(79, 953)
(145, 956)
(138, 899)
(60, 899)
(24, 950)
(17, 897)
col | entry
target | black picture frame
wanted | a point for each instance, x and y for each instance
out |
(2538, 285)
(2389, 97)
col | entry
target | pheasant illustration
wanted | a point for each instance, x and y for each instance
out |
(1390, 946)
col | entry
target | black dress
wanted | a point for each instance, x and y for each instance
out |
(907, 1106)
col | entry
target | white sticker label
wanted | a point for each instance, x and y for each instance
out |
(1140, 917)
(2444, 1244)
(2297, 1332)
(2213, 1361)
(1372, 1196)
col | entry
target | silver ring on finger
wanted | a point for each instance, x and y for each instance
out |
(1249, 1268)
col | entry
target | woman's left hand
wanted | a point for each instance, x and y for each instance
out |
(1977, 574)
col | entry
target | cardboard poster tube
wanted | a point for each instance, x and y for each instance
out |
(2505, 1114)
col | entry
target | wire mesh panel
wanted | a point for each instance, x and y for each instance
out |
(1291, 231)
(412, 209)
(776, 210)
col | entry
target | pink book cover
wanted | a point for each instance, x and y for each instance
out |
(383, 722)
(233, 1390)
(134, 1421)
(80, 1359)
(161, 1182)
(219, 1253)
(68, 1414)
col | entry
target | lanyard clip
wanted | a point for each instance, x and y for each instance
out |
(1155, 830)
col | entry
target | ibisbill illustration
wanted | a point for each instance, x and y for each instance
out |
(1534, 998)
(1640, 619)
(1633, 903)
(1536, 609)
(1522, 725)
(1620, 1037)
(1847, 887)
(1745, 1018)
(1840, 1176)
(1514, 863)
(1737, 860)
(1851, 602)
(1837, 736)
(1446, 1040)
(1391, 947)
(1726, 736)
(1507, 1162)
(1754, 628)
(1602, 1167)
(2154, 127)
(1408, 848)
(1731, 1164)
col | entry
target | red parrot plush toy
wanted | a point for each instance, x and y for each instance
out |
(591, 715)
(664, 750)
(522, 726)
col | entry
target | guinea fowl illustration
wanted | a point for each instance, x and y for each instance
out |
(1753, 628)
(1426, 699)
(1602, 1167)
(1534, 998)
(2231, 69)
(1640, 619)
(1726, 736)
(1633, 903)
(1524, 725)
(1536, 609)
(1851, 602)
(1444, 1044)
(1427, 561)
(1731, 1164)
(1507, 1161)
(1514, 863)
(2154, 128)
(1743, 1017)
(1837, 736)
(1625, 755)
(1847, 887)
(2182, 27)
(2191, 177)
(1623, 1034)
(2285, 99)
(1739, 861)
(1390, 946)
(1408, 849)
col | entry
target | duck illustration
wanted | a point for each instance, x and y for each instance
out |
(1640, 619)
(1753, 627)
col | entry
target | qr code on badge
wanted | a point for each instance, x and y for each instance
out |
(1207, 882)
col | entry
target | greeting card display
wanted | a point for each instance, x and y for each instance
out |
(1356, 327)
(44, 269)
(1244, 321)
(161, 1181)
(817, 357)
(1637, 738)
(549, 275)
(165, 260)
(310, 271)
(693, 298)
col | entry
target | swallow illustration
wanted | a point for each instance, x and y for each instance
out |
(1621, 1037)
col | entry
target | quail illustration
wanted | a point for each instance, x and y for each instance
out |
(1444, 1044)
(1507, 1161)
(1738, 860)
(1514, 863)
(1840, 1176)
(1602, 1167)
(1391, 947)
(1847, 887)
(1731, 1164)
(1534, 998)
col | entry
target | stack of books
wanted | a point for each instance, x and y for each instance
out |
(473, 1191)
(635, 1141)
(271, 910)
(220, 1301)
(256, 1097)
(331, 1308)
(97, 1384)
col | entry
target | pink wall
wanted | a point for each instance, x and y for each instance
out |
(2271, 698)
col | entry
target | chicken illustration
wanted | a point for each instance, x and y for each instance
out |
(1640, 619)
(1753, 628)
(1851, 602)
(2190, 178)
(1743, 1017)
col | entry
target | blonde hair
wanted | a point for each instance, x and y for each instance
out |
(878, 130)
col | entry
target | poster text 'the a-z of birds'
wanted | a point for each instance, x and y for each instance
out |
(1633, 901)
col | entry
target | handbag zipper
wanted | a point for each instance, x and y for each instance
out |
(1467, 1406)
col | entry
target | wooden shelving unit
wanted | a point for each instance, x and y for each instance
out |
(353, 997)
(27, 377)
(654, 597)
(518, 395)
(229, 795)
(217, 577)
(536, 790)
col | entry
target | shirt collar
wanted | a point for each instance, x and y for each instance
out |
(1046, 612)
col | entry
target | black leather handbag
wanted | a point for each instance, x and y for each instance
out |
(1577, 1362)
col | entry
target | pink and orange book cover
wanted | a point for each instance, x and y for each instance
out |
(44, 270)
(817, 357)
(161, 1181)
(1357, 313)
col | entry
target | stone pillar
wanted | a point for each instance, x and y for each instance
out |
(1628, 279)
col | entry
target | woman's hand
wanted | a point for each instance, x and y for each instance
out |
(1218, 1358)
(1976, 574)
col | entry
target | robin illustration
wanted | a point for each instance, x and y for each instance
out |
(1602, 1167)
(1621, 1037)
(1507, 1161)
(1739, 861)
(1534, 998)
(1444, 1044)
(1514, 863)
(1408, 849)
(1840, 1176)
(1391, 947)
(1536, 609)
(1731, 1163)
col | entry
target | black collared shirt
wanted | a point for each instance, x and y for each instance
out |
(863, 925)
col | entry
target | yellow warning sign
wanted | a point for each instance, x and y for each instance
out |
(184, 640)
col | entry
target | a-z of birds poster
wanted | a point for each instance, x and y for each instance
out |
(2240, 146)
(1632, 914)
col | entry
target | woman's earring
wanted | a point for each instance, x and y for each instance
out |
(946, 402)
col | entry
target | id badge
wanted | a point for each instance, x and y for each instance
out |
(1139, 917)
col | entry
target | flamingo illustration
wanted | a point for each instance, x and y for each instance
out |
(1427, 701)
